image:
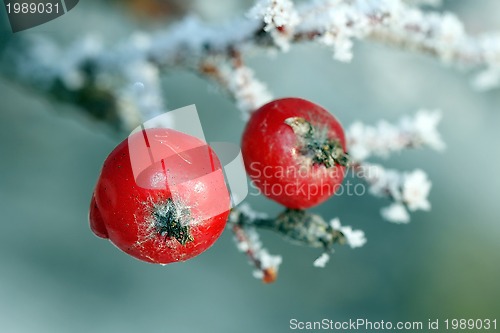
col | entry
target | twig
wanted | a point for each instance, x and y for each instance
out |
(297, 226)
(106, 81)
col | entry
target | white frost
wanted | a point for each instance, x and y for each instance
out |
(249, 92)
(423, 128)
(275, 14)
(407, 190)
(416, 188)
(384, 138)
(279, 17)
(252, 214)
(355, 238)
(322, 260)
(396, 213)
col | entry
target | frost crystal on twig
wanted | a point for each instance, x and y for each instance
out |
(250, 214)
(407, 190)
(248, 92)
(384, 138)
(416, 188)
(275, 14)
(355, 238)
(395, 212)
(247, 240)
(280, 19)
(322, 260)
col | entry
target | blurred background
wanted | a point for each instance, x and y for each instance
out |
(56, 276)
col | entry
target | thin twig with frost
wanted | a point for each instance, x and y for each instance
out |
(106, 81)
(409, 191)
(297, 226)
(239, 82)
(248, 241)
(384, 138)
(266, 265)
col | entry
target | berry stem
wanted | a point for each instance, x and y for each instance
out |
(315, 145)
(171, 221)
(269, 273)
(298, 226)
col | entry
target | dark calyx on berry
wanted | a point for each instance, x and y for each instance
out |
(315, 144)
(170, 220)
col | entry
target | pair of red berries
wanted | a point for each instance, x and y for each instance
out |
(173, 204)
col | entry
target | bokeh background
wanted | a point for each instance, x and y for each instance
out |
(56, 276)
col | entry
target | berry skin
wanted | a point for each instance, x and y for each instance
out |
(161, 197)
(295, 152)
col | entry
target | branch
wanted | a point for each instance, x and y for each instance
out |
(408, 191)
(336, 23)
(238, 81)
(266, 265)
(384, 138)
(120, 85)
(297, 226)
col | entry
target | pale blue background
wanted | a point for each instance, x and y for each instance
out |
(56, 276)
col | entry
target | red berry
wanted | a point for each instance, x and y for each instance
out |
(294, 152)
(161, 197)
